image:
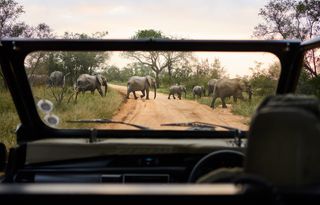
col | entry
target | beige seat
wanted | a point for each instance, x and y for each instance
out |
(284, 141)
(283, 146)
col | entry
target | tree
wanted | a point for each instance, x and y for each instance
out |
(76, 63)
(9, 12)
(173, 60)
(264, 81)
(113, 73)
(10, 27)
(148, 33)
(152, 59)
(292, 19)
(34, 60)
(155, 60)
(216, 69)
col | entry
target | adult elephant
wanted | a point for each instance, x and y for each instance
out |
(143, 84)
(230, 87)
(177, 89)
(211, 84)
(198, 91)
(57, 79)
(86, 82)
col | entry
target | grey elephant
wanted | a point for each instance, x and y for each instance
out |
(211, 84)
(86, 82)
(198, 91)
(57, 79)
(143, 84)
(177, 89)
(230, 87)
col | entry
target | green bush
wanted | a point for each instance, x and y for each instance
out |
(308, 85)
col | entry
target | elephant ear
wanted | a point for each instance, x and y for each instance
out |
(99, 79)
(104, 80)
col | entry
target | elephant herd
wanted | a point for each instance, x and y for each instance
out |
(217, 88)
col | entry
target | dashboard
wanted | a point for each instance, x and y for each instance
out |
(167, 163)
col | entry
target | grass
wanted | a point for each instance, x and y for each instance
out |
(88, 106)
(246, 108)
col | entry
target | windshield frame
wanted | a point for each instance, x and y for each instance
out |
(14, 51)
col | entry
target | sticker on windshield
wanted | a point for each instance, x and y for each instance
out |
(45, 105)
(51, 119)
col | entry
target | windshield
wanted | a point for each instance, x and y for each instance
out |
(141, 19)
(152, 89)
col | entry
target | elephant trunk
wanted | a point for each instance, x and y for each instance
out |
(105, 89)
(155, 92)
(185, 94)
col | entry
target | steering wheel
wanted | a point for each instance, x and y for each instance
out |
(216, 160)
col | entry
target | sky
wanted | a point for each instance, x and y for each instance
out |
(189, 19)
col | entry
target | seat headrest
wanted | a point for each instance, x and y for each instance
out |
(284, 141)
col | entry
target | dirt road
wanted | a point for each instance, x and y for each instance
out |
(152, 113)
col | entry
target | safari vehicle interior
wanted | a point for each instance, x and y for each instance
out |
(275, 161)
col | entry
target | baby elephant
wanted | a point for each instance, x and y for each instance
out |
(198, 91)
(177, 89)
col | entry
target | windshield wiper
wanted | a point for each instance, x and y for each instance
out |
(237, 133)
(108, 121)
(201, 125)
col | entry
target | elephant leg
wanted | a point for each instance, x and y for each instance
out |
(214, 97)
(235, 99)
(128, 93)
(169, 96)
(224, 105)
(143, 93)
(173, 96)
(179, 96)
(134, 94)
(147, 92)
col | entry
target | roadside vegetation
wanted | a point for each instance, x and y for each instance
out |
(88, 106)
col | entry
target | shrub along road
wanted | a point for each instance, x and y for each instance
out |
(154, 112)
